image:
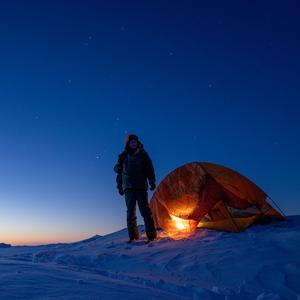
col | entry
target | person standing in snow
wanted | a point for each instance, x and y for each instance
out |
(134, 168)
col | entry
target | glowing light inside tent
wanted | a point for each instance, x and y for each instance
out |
(181, 224)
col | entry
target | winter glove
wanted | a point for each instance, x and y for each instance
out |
(152, 185)
(121, 192)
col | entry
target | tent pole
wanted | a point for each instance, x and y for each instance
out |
(277, 206)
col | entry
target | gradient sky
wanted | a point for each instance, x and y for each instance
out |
(214, 81)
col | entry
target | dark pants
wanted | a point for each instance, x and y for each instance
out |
(133, 196)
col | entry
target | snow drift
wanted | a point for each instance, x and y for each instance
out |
(261, 263)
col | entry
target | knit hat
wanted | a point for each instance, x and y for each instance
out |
(131, 137)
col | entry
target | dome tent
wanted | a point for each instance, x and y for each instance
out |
(207, 195)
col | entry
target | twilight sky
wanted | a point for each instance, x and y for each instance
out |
(214, 81)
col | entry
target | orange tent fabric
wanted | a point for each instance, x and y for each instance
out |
(207, 195)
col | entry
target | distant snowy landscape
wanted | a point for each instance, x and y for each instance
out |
(261, 263)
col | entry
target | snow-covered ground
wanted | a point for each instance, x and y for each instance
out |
(261, 263)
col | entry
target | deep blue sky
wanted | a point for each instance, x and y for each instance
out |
(214, 81)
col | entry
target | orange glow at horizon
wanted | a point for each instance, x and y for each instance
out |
(38, 239)
(42, 237)
(25, 231)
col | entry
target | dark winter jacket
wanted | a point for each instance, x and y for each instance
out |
(134, 169)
